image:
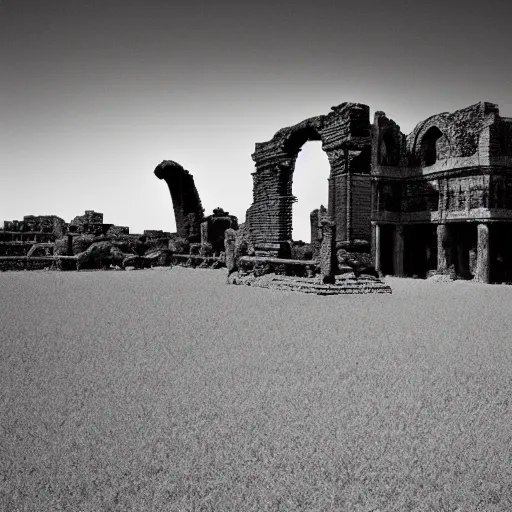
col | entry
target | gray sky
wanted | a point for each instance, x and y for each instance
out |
(95, 93)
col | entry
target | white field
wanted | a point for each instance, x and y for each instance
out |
(172, 391)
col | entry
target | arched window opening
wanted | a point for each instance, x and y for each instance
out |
(388, 151)
(429, 146)
(310, 187)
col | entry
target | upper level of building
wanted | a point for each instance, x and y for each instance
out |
(473, 137)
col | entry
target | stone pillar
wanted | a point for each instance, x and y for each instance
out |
(483, 269)
(442, 248)
(376, 239)
(398, 259)
(229, 247)
(70, 245)
(313, 223)
(328, 251)
(204, 233)
(348, 196)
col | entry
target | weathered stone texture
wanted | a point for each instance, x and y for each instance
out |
(99, 255)
(483, 270)
(453, 171)
(328, 264)
(216, 225)
(345, 136)
(17, 237)
(460, 132)
(188, 211)
(230, 248)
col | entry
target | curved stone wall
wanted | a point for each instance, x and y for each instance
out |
(188, 210)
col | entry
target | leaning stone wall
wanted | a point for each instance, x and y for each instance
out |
(188, 211)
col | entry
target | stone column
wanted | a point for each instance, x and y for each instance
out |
(442, 248)
(70, 245)
(229, 247)
(204, 233)
(398, 259)
(483, 269)
(328, 251)
(348, 228)
(376, 247)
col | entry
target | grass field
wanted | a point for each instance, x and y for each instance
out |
(172, 391)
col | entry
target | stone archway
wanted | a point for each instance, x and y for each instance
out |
(310, 186)
(345, 136)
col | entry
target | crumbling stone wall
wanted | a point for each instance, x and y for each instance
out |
(345, 136)
(453, 172)
(461, 131)
(18, 237)
(214, 227)
(91, 222)
(316, 229)
(188, 211)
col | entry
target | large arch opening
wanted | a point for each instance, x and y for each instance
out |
(429, 146)
(310, 187)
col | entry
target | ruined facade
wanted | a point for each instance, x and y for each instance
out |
(436, 201)
(43, 234)
(442, 196)
(18, 237)
(346, 139)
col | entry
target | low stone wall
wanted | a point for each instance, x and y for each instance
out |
(196, 260)
(282, 266)
(17, 263)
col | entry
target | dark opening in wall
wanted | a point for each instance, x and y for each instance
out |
(388, 151)
(429, 146)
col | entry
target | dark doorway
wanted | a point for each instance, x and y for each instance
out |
(420, 249)
(501, 252)
(387, 248)
(464, 244)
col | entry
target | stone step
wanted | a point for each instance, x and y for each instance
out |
(343, 285)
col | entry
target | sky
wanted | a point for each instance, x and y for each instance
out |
(94, 94)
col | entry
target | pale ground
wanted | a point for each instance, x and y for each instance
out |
(170, 390)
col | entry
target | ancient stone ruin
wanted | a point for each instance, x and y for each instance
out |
(342, 230)
(19, 237)
(435, 203)
(47, 241)
(263, 245)
(200, 239)
(442, 196)
(345, 136)
(188, 211)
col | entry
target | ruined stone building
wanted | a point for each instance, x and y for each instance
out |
(19, 238)
(442, 196)
(346, 138)
(438, 200)
(191, 223)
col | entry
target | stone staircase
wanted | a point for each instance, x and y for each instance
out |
(345, 283)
